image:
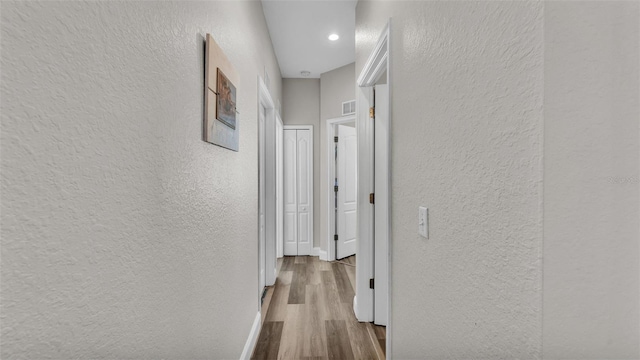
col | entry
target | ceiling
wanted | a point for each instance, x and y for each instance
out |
(299, 32)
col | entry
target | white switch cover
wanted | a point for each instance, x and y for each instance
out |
(423, 221)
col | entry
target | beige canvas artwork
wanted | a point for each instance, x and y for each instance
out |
(221, 118)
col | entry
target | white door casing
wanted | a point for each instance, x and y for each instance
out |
(347, 196)
(279, 187)
(262, 197)
(270, 197)
(363, 300)
(266, 190)
(381, 221)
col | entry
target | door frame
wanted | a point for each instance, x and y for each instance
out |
(312, 202)
(279, 186)
(267, 137)
(331, 245)
(378, 64)
(262, 210)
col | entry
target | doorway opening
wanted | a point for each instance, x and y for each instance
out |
(267, 194)
(342, 193)
(372, 301)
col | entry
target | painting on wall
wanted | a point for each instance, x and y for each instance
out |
(226, 105)
(221, 125)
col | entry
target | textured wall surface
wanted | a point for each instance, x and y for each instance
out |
(466, 138)
(123, 234)
(591, 180)
(336, 87)
(480, 92)
(301, 106)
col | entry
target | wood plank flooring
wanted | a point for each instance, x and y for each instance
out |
(308, 314)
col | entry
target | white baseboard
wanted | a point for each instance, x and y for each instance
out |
(252, 339)
(323, 255)
(315, 251)
(355, 306)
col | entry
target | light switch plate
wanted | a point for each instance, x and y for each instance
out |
(423, 222)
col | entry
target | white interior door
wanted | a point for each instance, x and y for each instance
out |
(290, 193)
(305, 191)
(298, 191)
(347, 191)
(279, 188)
(381, 165)
(262, 197)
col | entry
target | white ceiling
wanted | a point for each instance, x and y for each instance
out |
(299, 31)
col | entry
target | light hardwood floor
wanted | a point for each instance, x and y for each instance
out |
(308, 314)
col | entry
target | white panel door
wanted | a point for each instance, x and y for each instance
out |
(305, 191)
(290, 193)
(262, 197)
(381, 165)
(347, 191)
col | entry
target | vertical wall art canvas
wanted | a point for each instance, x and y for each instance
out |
(221, 116)
(226, 106)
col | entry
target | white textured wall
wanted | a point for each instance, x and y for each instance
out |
(123, 234)
(301, 106)
(591, 180)
(467, 143)
(336, 87)
(481, 90)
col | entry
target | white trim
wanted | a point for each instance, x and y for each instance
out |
(279, 187)
(265, 100)
(377, 64)
(355, 304)
(250, 344)
(315, 251)
(323, 255)
(382, 205)
(389, 250)
(365, 215)
(331, 246)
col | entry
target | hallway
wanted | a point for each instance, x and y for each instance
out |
(308, 314)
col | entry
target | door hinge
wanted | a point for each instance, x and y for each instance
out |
(335, 237)
(371, 284)
(372, 112)
(335, 139)
(335, 188)
(372, 198)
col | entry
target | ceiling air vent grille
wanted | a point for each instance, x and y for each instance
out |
(348, 107)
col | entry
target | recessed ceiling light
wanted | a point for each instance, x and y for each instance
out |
(305, 73)
(334, 37)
